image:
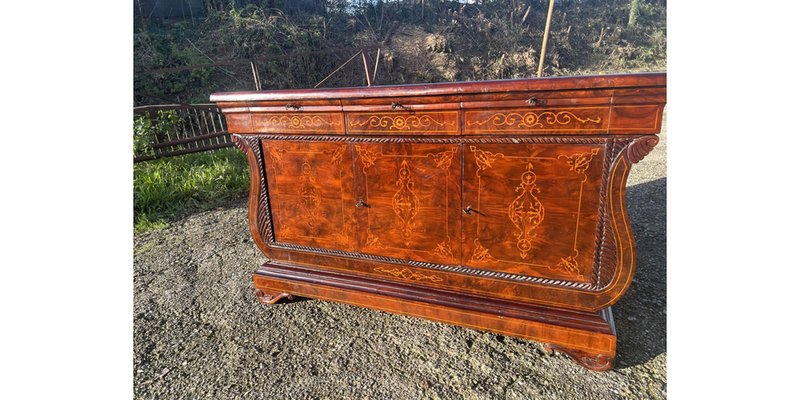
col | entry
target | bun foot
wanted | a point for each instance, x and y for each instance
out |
(266, 298)
(592, 361)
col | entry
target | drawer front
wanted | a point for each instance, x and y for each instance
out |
(444, 122)
(532, 120)
(300, 122)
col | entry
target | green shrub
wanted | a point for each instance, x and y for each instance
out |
(146, 129)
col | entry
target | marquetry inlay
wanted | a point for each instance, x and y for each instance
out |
(444, 121)
(532, 119)
(484, 158)
(300, 121)
(579, 162)
(405, 202)
(526, 211)
(308, 193)
(406, 273)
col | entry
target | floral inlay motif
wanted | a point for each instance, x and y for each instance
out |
(579, 162)
(484, 158)
(398, 122)
(532, 119)
(405, 202)
(526, 212)
(406, 273)
(299, 121)
(309, 193)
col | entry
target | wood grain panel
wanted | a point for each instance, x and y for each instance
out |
(311, 192)
(238, 122)
(535, 209)
(412, 194)
(638, 119)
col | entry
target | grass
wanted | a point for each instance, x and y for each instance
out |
(167, 189)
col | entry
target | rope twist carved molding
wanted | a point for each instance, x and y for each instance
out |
(606, 258)
(264, 214)
(602, 212)
(239, 143)
(434, 140)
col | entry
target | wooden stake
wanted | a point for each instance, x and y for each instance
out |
(255, 75)
(544, 40)
(377, 60)
(337, 69)
(366, 67)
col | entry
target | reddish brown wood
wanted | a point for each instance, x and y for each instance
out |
(505, 211)
(265, 298)
(536, 209)
(404, 122)
(592, 360)
(311, 193)
(412, 195)
(589, 333)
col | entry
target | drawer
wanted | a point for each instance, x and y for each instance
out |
(537, 111)
(306, 117)
(431, 115)
(300, 122)
(537, 119)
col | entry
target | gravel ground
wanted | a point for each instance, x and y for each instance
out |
(199, 332)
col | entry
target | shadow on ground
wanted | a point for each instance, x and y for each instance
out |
(641, 314)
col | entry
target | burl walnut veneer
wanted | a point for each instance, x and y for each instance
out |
(496, 205)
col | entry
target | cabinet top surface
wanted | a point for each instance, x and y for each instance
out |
(637, 80)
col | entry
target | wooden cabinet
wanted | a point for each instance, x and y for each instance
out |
(491, 205)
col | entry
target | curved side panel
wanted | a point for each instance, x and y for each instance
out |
(619, 246)
(256, 213)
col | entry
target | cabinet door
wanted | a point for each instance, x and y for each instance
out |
(310, 187)
(411, 196)
(535, 208)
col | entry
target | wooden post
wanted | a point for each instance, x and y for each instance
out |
(256, 78)
(366, 67)
(377, 60)
(544, 40)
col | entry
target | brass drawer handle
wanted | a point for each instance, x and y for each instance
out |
(292, 106)
(398, 105)
(534, 101)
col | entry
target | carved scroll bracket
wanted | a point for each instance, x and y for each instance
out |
(640, 147)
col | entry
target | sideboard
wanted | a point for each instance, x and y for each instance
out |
(493, 205)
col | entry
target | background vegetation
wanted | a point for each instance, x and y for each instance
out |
(420, 41)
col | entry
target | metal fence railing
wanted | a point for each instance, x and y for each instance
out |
(174, 129)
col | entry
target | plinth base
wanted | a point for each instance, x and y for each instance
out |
(588, 338)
